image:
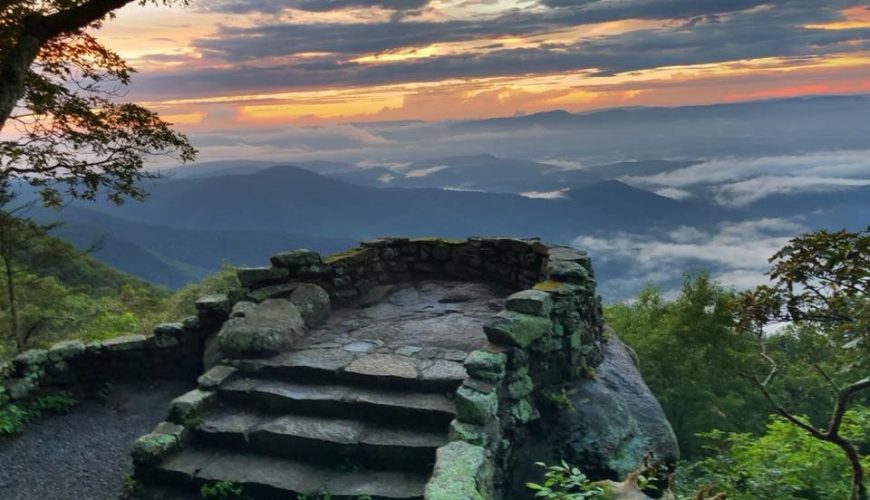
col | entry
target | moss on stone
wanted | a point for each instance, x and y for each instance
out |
(516, 329)
(475, 407)
(487, 366)
(457, 469)
(153, 447)
(438, 240)
(351, 256)
(470, 433)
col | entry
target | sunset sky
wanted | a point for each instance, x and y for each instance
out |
(224, 64)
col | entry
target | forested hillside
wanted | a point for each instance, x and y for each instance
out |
(53, 291)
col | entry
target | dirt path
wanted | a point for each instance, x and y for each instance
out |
(86, 453)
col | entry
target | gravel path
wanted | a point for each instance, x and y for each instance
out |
(86, 453)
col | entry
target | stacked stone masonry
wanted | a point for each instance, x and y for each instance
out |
(470, 415)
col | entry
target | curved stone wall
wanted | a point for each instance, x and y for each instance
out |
(550, 332)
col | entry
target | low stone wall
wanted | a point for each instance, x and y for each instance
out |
(547, 337)
(549, 334)
(510, 262)
(173, 351)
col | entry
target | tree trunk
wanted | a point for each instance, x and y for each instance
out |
(14, 320)
(858, 490)
(13, 72)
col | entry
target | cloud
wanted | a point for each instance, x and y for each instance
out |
(736, 253)
(674, 193)
(743, 193)
(424, 172)
(741, 182)
(273, 7)
(274, 52)
(546, 195)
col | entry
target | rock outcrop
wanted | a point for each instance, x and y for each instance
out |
(404, 368)
(610, 425)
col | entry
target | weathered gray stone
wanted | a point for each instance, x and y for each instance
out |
(157, 445)
(296, 258)
(442, 369)
(523, 412)
(615, 423)
(125, 343)
(241, 309)
(383, 365)
(360, 346)
(190, 404)
(459, 466)
(534, 302)
(215, 376)
(474, 407)
(567, 271)
(30, 360)
(281, 290)
(570, 255)
(20, 388)
(486, 365)
(65, 350)
(313, 303)
(470, 433)
(253, 277)
(214, 306)
(520, 385)
(516, 329)
(271, 327)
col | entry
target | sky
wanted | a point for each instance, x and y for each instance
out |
(249, 64)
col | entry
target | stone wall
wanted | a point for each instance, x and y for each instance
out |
(549, 334)
(547, 337)
(173, 351)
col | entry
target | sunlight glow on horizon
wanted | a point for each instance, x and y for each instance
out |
(159, 45)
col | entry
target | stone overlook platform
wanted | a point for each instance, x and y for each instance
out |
(404, 368)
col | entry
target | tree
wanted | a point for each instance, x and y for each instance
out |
(820, 282)
(59, 101)
(690, 356)
(784, 462)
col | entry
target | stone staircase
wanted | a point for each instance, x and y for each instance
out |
(320, 423)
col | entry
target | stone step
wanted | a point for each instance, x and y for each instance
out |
(338, 365)
(398, 407)
(264, 477)
(323, 439)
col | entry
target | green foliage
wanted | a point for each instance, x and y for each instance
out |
(785, 462)
(61, 293)
(14, 417)
(12, 420)
(564, 482)
(132, 489)
(562, 398)
(181, 304)
(223, 490)
(690, 357)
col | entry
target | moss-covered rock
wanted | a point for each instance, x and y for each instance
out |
(271, 327)
(470, 433)
(254, 277)
(296, 258)
(313, 303)
(485, 365)
(475, 407)
(157, 445)
(189, 404)
(534, 302)
(458, 469)
(516, 329)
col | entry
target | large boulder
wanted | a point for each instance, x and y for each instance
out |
(615, 423)
(313, 303)
(269, 328)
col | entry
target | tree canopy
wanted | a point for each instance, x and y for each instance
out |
(64, 126)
